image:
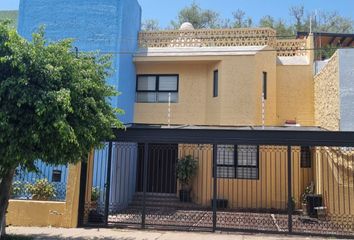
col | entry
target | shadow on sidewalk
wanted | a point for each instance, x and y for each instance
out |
(59, 237)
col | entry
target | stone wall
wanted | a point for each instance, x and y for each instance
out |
(327, 103)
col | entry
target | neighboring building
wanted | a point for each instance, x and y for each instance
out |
(107, 26)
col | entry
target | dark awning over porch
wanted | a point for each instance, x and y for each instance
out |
(295, 136)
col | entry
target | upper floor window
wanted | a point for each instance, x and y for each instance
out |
(157, 88)
(216, 83)
(265, 79)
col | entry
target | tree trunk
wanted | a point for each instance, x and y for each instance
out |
(5, 187)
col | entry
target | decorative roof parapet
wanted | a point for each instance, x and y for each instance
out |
(208, 38)
(222, 38)
(291, 47)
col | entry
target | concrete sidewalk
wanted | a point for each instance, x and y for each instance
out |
(119, 234)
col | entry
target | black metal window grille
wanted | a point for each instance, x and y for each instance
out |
(306, 157)
(56, 176)
(226, 167)
(237, 161)
(157, 88)
(247, 162)
(216, 83)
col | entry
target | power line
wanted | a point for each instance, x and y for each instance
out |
(217, 51)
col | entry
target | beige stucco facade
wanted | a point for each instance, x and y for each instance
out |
(240, 91)
(290, 88)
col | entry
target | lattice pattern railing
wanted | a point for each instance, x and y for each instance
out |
(291, 48)
(223, 38)
(208, 38)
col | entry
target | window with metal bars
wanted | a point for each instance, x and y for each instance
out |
(306, 157)
(237, 161)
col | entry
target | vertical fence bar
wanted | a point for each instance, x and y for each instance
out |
(290, 217)
(214, 185)
(82, 193)
(145, 166)
(108, 182)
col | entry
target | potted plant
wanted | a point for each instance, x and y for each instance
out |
(42, 190)
(95, 196)
(186, 169)
(308, 190)
(95, 216)
(293, 204)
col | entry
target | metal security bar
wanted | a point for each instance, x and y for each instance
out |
(231, 184)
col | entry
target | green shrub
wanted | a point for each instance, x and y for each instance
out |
(42, 190)
(95, 194)
(186, 169)
(18, 188)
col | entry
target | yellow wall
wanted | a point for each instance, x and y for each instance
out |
(46, 213)
(295, 94)
(326, 94)
(269, 191)
(335, 177)
(192, 94)
(240, 88)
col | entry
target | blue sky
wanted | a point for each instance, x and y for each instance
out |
(165, 10)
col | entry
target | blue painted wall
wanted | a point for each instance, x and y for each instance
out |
(104, 25)
(123, 175)
(44, 171)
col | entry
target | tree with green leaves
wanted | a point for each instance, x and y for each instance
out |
(199, 17)
(150, 25)
(240, 20)
(279, 25)
(54, 105)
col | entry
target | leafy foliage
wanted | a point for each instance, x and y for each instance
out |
(42, 190)
(299, 20)
(308, 190)
(186, 169)
(150, 25)
(53, 105)
(12, 16)
(18, 188)
(198, 17)
(95, 194)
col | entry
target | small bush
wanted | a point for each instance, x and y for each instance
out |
(42, 190)
(95, 194)
(18, 188)
(186, 169)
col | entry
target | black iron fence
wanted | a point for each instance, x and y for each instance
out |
(234, 185)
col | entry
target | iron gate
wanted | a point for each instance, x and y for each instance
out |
(240, 184)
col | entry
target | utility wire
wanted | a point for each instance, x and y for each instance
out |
(216, 51)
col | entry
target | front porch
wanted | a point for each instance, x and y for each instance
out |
(262, 192)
